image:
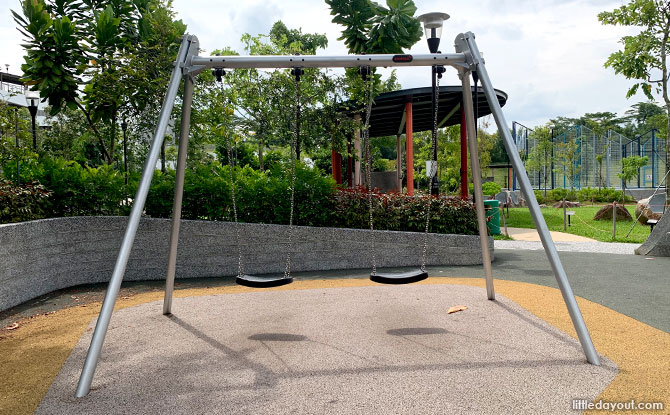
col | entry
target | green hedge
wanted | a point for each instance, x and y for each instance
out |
(29, 201)
(78, 190)
(491, 188)
(587, 194)
(262, 197)
(399, 212)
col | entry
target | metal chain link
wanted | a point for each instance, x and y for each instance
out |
(294, 141)
(231, 167)
(368, 168)
(433, 168)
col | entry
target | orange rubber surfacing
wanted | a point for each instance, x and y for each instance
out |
(32, 355)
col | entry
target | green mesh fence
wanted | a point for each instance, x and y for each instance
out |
(591, 159)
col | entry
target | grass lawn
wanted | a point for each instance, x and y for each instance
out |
(582, 223)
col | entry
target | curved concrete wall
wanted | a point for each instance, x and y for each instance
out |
(42, 256)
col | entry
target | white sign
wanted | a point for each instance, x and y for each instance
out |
(431, 168)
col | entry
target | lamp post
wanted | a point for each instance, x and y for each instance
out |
(33, 99)
(16, 136)
(124, 128)
(432, 25)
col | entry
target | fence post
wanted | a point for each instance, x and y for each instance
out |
(553, 179)
(614, 220)
(595, 162)
(623, 156)
(516, 149)
(565, 215)
(639, 153)
(653, 158)
(607, 160)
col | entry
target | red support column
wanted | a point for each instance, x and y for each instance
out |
(350, 166)
(336, 166)
(409, 143)
(464, 157)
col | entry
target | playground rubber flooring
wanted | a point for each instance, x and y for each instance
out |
(346, 345)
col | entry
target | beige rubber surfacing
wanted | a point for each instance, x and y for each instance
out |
(339, 350)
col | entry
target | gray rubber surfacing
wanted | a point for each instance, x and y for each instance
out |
(381, 349)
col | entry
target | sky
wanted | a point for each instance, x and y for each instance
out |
(547, 55)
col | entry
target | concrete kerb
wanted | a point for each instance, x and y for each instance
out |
(41, 256)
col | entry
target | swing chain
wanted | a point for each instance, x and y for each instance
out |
(433, 168)
(296, 72)
(231, 167)
(369, 83)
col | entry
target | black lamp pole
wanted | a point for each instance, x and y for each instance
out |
(33, 113)
(124, 127)
(434, 184)
(16, 135)
(432, 24)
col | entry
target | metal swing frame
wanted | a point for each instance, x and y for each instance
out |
(466, 60)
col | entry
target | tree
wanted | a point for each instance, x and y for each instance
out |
(600, 123)
(75, 52)
(540, 157)
(599, 158)
(644, 54)
(372, 28)
(499, 152)
(14, 127)
(630, 169)
(145, 73)
(641, 112)
(267, 100)
(566, 159)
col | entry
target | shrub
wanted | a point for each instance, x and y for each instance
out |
(604, 195)
(539, 195)
(28, 201)
(399, 212)
(558, 194)
(587, 194)
(262, 197)
(79, 190)
(491, 188)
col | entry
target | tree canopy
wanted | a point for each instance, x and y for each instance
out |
(77, 52)
(646, 54)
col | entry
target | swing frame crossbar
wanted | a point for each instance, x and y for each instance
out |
(188, 64)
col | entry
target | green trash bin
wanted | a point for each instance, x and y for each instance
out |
(492, 216)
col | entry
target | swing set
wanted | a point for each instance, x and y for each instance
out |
(466, 60)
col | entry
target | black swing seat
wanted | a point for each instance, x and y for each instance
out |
(262, 282)
(399, 277)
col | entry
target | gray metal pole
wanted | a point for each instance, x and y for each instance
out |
(101, 326)
(468, 41)
(477, 180)
(178, 192)
(312, 61)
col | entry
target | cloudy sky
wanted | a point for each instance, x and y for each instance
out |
(547, 55)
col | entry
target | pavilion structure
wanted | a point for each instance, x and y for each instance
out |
(408, 111)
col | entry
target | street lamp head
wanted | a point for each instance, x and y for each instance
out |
(32, 98)
(124, 125)
(432, 25)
